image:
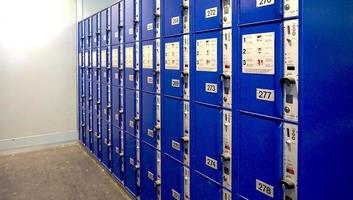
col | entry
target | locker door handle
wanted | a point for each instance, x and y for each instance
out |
(225, 78)
(136, 22)
(184, 74)
(137, 119)
(156, 72)
(156, 128)
(137, 167)
(121, 154)
(157, 183)
(184, 7)
(156, 15)
(287, 184)
(136, 70)
(225, 157)
(121, 112)
(287, 81)
(185, 139)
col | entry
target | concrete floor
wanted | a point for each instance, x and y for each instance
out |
(56, 172)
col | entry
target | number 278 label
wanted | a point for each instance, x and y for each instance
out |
(261, 3)
(265, 188)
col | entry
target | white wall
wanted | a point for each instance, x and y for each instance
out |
(87, 8)
(37, 69)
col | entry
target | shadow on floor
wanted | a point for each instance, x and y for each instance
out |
(58, 173)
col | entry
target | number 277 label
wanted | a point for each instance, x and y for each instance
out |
(265, 95)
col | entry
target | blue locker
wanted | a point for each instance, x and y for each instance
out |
(116, 108)
(129, 56)
(95, 131)
(115, 23)
(83, 126)
(173, 17)
(109, 26)
(115, 55)
(148, 121)
(117, 152)
(173, 179)
(172, 72)
(268, 79)
(260, 141)
(129, 20)
(106, 144)
(80, 36)
(86, 33)
(98, 29)
(105, 110)
(149, 17)
(94, 31)
(130, 101)
(206, 189)
(103, 31)
(150, 182)
(148, 75)
(172, 119)
(208, 84)
(131, 165)
(256, 11)
(211, 15)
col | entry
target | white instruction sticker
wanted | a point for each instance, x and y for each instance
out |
(129, 57)
(211, 162)
(175, 21)
(147, 56)
(115, 58)
(211, 12)
(206, 55)
(104, 58)
(265, 188)
(150, 26)
(172, 56)
(262, 3)
(258, 53)
(265, 95)
(211, 88)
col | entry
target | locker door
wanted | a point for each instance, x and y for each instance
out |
(79, 36)
(129, 20)
(254, 11)
(116, 150)
(172, 143)
(262, 70)
(129, 66)
(116, 115)
(148, 66)
(131, 165)
(94, 31)
(173, 179)
(211, 15)
(99, 27)
(149, 183)
(115, 24)
(105, 101)
(106, 128)
(95, 130)
(130, 99)
(149, 128)
(173, 17)
(148, 17)
(207, 160)
(115, 65)
(209, 69)
(173, 49)
(206, 189)
(85, 34)
(259, 158)
(103, 28)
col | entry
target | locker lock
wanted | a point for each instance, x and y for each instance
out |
(136, 69)
(185, 139)
(184, 7)
(156, 15)
(136, 22)
(121, 69)
(288, 81)
(98, 102)
(225, 157)
(109, 106)
(120, 26)
(157, 183)
(137, 167)
(121, 112)
(121, 154)
(287, 184)
(137, 119)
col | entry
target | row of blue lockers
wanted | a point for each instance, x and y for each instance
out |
(193, 99)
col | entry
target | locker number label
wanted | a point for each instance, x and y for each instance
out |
(150, 26)
(150, 80)
(176, 145)
(175, 20)
(265, 188)
(261, 3)
(150, 176)
(131, 77)
(211, 12)
(211, 162)
(265, 95)
(211, 88)
(175, 195)
(150, 133)
(175, 83)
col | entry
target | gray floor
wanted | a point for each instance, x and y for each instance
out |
(55, 172)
